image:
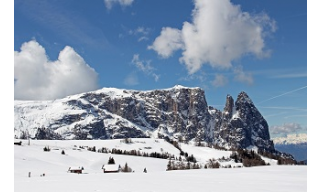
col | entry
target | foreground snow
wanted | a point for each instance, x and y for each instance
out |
(276, 178)
(55, 165)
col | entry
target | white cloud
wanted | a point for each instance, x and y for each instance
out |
(242, 76)
(143, 38)
(156, 77)
(38, 78)
(123, 3)
(219, 33)
(219, 80)
(285, 129)
(141, 32)
(144, 66)
(169, 41)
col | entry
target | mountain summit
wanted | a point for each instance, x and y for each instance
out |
(178, 113)
(240, 125)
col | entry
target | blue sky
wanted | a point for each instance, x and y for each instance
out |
(224, 47)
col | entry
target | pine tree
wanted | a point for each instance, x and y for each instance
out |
(126, 168)
(169, 166)
(111, 161)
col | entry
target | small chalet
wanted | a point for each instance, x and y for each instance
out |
(75, 170)
(111, 168)
(17, 142)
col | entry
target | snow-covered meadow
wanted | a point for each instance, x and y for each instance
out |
(32, 158)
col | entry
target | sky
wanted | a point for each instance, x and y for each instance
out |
(222, 46)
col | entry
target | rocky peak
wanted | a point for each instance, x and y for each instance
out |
(228, 109)
(241, 125)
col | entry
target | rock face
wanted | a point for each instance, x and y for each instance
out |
(240, 125)
(180, 112)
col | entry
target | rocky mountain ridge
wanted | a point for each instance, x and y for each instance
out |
(179, 113)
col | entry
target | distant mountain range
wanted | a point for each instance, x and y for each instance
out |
(179, 113)
(295, 144)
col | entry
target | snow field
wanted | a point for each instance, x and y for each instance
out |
(32, 158)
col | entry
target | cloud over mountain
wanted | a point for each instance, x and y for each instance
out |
(38, 78)
(285, 129)
(220, 32)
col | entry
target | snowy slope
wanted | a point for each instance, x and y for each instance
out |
(32, 158)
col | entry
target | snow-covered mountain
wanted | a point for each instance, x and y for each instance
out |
(291, 139)
(295, 144)
(179, 113)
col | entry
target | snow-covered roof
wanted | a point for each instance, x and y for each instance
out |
(110, 167)
(75, 168)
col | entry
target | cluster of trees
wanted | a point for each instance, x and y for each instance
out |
(126, 140)
(182, 153)
(212, 164)
(216, 146)
(24, 135)
(283, 158)
(111, 161)
(46, 148)
(93, 149)
(133, 152)
(180, 165)
(188, 157)
(173, 142)
(102, 150)
(248, 158)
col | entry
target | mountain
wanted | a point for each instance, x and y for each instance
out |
(295, 144)
(241, 125)
(179, 113)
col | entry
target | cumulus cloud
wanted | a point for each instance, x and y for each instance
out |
(169, 41)
(219, 33)
(38, 78)
(285, 129)
(109, 3)
(219, 80)
(144, 66)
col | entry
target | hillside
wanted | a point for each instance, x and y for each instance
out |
(32, 158)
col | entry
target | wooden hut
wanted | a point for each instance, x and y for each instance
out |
(111, 168)
(75, 170)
